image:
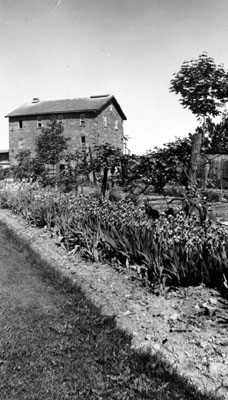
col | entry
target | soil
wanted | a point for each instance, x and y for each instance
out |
(188, 326)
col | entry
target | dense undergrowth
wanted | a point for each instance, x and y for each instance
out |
(172, 250)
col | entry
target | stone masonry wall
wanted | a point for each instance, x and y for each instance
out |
(107, 126)
(113, 133)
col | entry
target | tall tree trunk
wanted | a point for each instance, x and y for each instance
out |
(206, 172)
(91, 160)
(104, 181)
(195, 159)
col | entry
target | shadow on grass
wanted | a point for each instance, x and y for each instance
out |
(74, 352)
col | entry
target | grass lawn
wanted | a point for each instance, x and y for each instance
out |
(55, 344)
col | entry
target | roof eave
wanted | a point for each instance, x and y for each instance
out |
(119, 108)
(51, 113)
(109, 101)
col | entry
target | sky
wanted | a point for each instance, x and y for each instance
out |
(63, 49)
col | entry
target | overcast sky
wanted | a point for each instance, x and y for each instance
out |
(57, 49)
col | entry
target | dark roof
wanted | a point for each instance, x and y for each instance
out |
(93, 103)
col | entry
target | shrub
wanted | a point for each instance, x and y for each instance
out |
(213, 195)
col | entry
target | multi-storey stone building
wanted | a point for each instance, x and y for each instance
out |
(86, 122)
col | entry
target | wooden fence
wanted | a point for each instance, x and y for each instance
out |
(218, 170)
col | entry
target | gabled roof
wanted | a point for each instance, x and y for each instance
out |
(93, 103)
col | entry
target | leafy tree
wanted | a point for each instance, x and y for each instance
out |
(128, 170)
(176, 157)
(138, 172)
(158, 167)
(76, 171)
(217, 140)
(203, 87)
(23, 168)
(105, 158)
(27, 167)
(51, 143)
(101, 160)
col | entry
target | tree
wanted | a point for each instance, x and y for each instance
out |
(176, 156)
(158, 167)
(217, 140)
(76, 171)
(203, 87)
(24, 167)
(51, 143)
(105, 158)
(27, 167)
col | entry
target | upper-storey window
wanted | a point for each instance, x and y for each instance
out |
(116, 125)
(110, 107)
(82, 120)
(83, 141)
(105, 122)
(39, 122)
(20, 144)
(20, 123)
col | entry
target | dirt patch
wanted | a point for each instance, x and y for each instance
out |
(189, 326)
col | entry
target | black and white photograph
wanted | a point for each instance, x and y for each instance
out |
(114, 199)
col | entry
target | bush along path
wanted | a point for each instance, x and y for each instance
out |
(56, 344)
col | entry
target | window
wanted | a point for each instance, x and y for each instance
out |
(20, 123)
(60, 119)
(20, 144)
(116, 125)
(83, 141)
(105, 122)
(82, 120)
(39, 122)
(110, 107)
(51, 169)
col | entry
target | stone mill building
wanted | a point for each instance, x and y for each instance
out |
(86, 122)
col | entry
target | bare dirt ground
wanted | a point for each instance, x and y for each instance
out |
(189, 327)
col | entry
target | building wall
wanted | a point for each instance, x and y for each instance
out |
(24, 137)
(109, 133)
(107, 126)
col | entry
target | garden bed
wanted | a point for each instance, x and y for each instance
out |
(188, 326)
(166, 250)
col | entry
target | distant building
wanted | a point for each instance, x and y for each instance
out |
(86, 122)
(4, 159)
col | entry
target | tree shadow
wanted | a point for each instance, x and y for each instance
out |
(85, 351)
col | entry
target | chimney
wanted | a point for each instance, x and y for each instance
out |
(35, 100)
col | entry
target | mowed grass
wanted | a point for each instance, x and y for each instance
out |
(55, 344)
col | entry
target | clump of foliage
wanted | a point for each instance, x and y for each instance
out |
(105, 159)
(4, 172)
(28, 167)
(202, 85)
(51, 143)
(216, 141)
(157, 168)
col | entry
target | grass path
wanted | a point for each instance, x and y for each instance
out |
(54, 344)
